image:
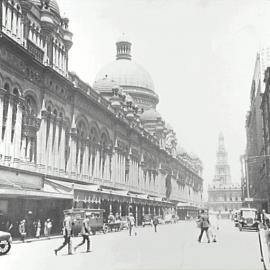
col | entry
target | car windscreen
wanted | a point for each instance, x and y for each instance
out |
(248, 214)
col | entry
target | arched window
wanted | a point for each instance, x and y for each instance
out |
(30, 128)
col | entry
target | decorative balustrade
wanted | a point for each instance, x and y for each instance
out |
(35, 51)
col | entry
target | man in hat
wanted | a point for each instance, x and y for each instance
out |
(131, 224)
(85, 232)
(67, 230)
(22, 229)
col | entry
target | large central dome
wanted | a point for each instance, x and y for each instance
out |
(133, 78)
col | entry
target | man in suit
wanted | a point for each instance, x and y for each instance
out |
(204, 225)
(85, 232)
(67, 230)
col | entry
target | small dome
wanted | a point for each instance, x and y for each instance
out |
(150, 115)
(52, 4)
(105, 85)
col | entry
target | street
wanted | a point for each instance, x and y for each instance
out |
(172, 247)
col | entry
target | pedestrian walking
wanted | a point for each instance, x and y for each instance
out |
(45, 228)
(131, 224)
(38, 228)
(67, 231)
(155, 223)
(85, 232)
(214, 226)
(49, 227)
(22, 229)
(204, 224)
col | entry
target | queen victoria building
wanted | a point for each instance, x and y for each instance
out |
(65, 143)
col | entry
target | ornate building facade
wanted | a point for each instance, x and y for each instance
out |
(223, 195)
(64, 143)
(256, 188)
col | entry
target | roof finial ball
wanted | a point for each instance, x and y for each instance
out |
(123, 48)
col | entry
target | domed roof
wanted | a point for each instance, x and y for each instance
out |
(150, 115)
(132, 77)
(52, 4)
(127, 73)
(105, 85)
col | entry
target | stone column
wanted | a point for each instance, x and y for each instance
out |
(73, 137)
(8, 17)
(49, 143)
(4, 14)
(120, 209)
(14, 22)
(56, 145)
(18, 132)
(85, 159)
(41, 139)
(2, 92)
(7, 138)
(136, 214)
(110, 206)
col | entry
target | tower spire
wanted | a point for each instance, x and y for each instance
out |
(222, 169)
(123, 48)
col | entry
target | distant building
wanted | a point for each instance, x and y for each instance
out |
(223, 195)
(254, 132)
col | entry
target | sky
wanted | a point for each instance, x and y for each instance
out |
(201, 56)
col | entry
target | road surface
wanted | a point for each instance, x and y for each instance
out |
(174, 246)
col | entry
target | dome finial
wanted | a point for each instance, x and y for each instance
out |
(123, 48)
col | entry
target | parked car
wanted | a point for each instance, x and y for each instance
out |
(5, 242)
(147, 220)
(248, 219)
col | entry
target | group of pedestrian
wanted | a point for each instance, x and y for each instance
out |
(68, 226)
(24, 228)
(209, 225)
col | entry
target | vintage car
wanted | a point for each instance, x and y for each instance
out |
(248, 219)
(5, 242)
(147, 220)
(95, 217)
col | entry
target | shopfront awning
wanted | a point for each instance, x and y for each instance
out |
(47, 193)
(11, 189)
(75, 186)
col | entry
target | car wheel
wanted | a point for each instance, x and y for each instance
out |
(4, 247)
